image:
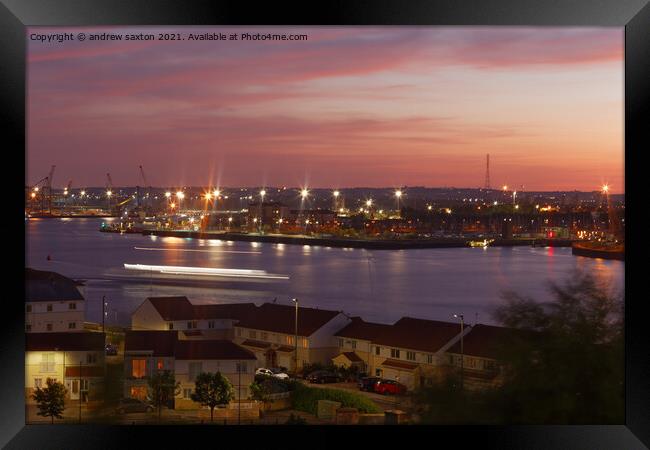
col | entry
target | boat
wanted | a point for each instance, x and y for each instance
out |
(484, 243)
(600, 249)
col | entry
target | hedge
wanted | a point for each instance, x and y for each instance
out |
(306, 399)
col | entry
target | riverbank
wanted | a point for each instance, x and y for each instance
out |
(369, 244)
(617, 253)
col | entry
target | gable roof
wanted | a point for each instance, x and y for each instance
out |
(73, 341)
(161, 343)
(351, 356)
(359, 329)
(180, 308)
(211, 349)
(45, 286)
(416, 334)
(281, 319)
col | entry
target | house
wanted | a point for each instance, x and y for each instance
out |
(410, 351)
(146, 352)
(193, 321)
(270, 333)
(482, 359)
(75, 358)
(53, 303)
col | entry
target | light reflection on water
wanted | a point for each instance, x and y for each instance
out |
(376, 285)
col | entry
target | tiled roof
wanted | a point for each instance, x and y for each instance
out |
(281, 319)
(257, 344)
(483, 341)
(161, 343)
(212, 349)
(359, 329)
(408, 333)
(180, 308)
(397, 364)
(351, 356)
(285, 349)
(74, 341)
(44, 286)
(86, 371)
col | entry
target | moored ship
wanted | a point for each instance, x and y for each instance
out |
(598, 249)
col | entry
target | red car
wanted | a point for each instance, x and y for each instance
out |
(390, 387)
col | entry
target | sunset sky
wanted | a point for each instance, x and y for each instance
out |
(350, 107)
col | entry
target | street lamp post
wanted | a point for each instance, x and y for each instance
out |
(462, 354)
(104, 304)
(262, 194)
(295, 300)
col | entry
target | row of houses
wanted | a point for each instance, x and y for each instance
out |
(171, 333)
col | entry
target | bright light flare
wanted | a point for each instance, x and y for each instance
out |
(180, 195)
(336, 193)
(398, 193)
(168, 194)
(369, 202)
(304, 193)
(109, 193)
(605, 188)
(206, 271)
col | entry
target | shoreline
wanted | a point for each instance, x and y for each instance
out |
(354, 243)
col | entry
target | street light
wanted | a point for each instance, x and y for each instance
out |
(398, 195)
(304, 193)
(462, 354)
(295, 300)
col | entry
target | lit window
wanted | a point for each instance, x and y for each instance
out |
(47, 362)
(160, 365)
(139, 366)
(38, 382)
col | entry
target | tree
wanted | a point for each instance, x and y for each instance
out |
(212, 390)
(50, 399)
(568, 365)
(261, 391)
(163, 387)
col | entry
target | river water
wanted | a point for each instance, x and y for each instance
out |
(378, 285)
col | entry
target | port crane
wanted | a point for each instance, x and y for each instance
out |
(148, 191)
(44, 186)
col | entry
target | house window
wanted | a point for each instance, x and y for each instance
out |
(378, 372)
(139, 368)
(49, 308)
(290, 340)
(38, 382)
(28, 308)
(187, 393)
(241, 367)
(91, 358)
(238, 332)
(160, 364)
(305, 342)
(394, 353)
(28, 327)
(353, 344)
(191, 324)
(195, 369)
(489, 365)
(84, 385)
(377, 350)
(72, 306)
(211, 324)
(252, 334)
(139, 392)
(72, 325)
(48, 327)
(47, 362)
(410, 356)
(429, 359)
(265, 336)
(340, 342)
(170, 326)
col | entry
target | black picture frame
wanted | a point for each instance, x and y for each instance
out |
(15, 15)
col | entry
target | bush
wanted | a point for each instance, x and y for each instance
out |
(306, 399)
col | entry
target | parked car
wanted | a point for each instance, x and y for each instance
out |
(386, 387)
(263, 371)
(129, 405)
(368, 383)
(111, 349)
(279, 372)
(323, 376)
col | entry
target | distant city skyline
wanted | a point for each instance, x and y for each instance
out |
(352, 106)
